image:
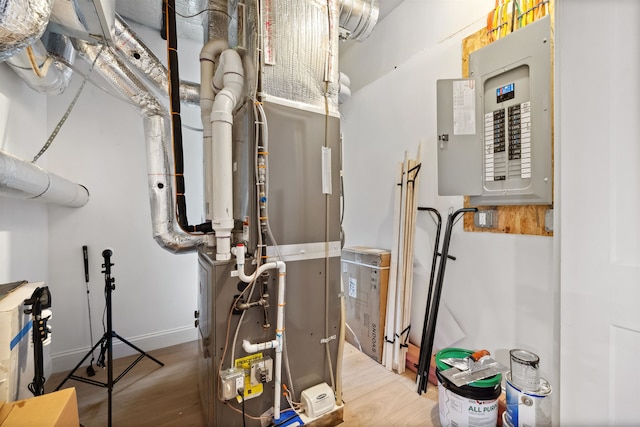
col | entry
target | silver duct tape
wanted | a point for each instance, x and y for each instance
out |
(135, 52)
(157, 138)
(242, 35)
(21, 23)
(51, 62)
(300, 40)
(219, 22)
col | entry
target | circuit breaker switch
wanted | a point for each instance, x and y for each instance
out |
(261, 371)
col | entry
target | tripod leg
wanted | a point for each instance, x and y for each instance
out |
(138, 349)
(104, 337)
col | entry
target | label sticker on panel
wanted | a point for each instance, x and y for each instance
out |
(464, 107)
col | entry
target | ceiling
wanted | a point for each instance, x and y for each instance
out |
(149, 13)
(386, 6)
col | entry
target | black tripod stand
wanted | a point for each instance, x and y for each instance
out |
(106, 342)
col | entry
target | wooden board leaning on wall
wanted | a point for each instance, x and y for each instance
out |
(528, 219)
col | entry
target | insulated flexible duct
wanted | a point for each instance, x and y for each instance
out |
(44, 72)
(21, 23)
(166, 231)
(135, 52)
(345, 88)
(25, 180)
(358, 17)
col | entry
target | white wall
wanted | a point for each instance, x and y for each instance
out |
(597, 110)
(500, 289)
(101, 146)
(23, 224)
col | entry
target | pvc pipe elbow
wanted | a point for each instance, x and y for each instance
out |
(281, 266)
(229, 72)
(254, 348)
(223, 105)
(213, 48)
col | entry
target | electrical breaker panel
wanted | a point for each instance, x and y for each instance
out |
(494, 128)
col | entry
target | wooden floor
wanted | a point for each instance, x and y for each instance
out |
(150, 395)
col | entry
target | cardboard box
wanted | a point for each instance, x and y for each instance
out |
(57, 409)
(365, 274)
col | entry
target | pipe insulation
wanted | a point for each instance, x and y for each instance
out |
(44, 69)
(166, 231)
(21, 23)
(24, 180)
(144, 61)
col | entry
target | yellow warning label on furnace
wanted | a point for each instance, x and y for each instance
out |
(244, 363)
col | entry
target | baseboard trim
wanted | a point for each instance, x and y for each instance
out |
(67, 360)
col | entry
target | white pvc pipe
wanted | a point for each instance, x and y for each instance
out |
(25, 180)
(254, 348)
(239, 251)
(208, 57)
(230, 73)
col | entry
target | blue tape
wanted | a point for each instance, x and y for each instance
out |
(21, 334)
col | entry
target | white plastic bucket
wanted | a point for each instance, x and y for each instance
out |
(471, 405)
(460, 411)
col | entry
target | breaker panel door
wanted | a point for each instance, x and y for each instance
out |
(459, 146)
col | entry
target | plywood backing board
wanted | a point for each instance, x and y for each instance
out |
(528, 219)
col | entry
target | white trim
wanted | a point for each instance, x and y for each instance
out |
(304, 251)
(67, 360)
(376, 267)
(301, 105)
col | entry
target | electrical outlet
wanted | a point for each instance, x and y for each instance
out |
(231, 381)
(486, 218)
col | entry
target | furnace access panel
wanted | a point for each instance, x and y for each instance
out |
(494, 129)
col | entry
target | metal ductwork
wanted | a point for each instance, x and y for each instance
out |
(24, 180)
(358, 17)
(90, 20)
(21, 23)
(150, 14)
(44, 68)
(166, 230)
